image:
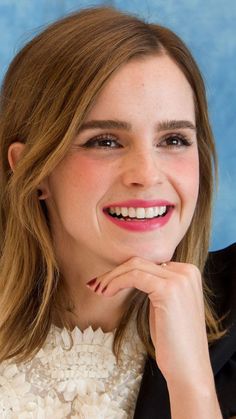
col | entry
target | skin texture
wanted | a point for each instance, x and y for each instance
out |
(143, 93)
(140, 163)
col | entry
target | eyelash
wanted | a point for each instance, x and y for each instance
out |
(109, 138)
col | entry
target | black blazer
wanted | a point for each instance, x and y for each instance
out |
(153, 398)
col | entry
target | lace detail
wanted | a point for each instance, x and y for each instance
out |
(84, 382)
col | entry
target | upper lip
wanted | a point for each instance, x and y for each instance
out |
(140, 203)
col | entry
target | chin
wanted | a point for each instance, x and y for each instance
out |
(160, 257)
(157, 256)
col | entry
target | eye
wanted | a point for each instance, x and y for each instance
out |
(103, 141)
(175, 141)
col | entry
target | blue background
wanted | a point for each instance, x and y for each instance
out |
(207, 26)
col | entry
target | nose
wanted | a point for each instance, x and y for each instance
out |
(142, 168)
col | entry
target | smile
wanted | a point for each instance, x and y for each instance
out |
(127, 213)
(139, 219)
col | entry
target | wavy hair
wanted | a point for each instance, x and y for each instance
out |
(48, 90)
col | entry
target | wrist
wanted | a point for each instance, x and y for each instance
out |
(195, 400)
(204, 387)
(193, 381)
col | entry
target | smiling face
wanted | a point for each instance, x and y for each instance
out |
(146, 158)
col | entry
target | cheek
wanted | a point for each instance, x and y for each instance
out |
(87, 178)
(186, 170)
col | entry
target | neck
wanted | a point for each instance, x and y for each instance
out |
(97, 311)
(85, 308)
(77, 267)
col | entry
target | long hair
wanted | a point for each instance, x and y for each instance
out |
(47, 92)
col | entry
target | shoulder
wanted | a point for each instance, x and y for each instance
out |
(220, 275)
(221, 262)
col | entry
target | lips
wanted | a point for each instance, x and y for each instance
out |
(139, 215)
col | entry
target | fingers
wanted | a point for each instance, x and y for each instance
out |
(136, 272)
(143, 281)
(148, 277)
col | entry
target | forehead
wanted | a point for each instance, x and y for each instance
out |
(146, 87)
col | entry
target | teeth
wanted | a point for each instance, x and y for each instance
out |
(124, 211)
(140, 212)
(156, 211)
(150, 212)
(132, 213)
(162, 210)
(117, 211)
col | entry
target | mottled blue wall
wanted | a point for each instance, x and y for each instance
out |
(209, 29)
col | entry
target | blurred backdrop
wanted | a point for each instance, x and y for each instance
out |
(208, 27)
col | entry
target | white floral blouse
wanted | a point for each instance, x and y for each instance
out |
(84, 382)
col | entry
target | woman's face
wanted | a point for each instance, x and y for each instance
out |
(137, 149)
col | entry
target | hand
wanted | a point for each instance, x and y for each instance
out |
(176, 315)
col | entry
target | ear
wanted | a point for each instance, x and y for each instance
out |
(14, 153)
(43, 190)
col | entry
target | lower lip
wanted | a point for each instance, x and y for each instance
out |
(141, 225)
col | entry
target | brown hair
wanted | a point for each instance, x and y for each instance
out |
(50, 86)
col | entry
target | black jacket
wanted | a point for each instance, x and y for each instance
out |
(153, 399)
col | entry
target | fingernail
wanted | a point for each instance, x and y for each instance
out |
(91, 282)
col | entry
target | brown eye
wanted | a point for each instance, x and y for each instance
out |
(175, 141)
(103, 142)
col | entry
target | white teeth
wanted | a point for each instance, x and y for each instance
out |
(156, 211)
(162, 210)
(140, 212)
(124, 211)
(131, 212)
(149, 213)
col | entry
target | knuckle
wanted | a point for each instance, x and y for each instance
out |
(196, 274)
(193, 268)
(191, 271)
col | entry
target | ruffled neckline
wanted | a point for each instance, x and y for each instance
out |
(87, 336)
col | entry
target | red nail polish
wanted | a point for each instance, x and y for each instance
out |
(91, 282)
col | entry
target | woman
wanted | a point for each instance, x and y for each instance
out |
(105, 216)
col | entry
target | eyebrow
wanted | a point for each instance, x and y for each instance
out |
(123, 125)
(175, 124)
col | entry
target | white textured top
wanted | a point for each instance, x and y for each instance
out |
(84, 382)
